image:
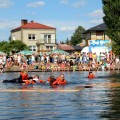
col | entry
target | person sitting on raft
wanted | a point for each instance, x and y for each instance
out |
(59, 81)
(91, 75)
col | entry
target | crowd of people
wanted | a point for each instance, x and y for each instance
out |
(61, 62)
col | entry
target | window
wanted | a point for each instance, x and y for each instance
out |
(47, 38)
(32, 48)
(14, 38)
(49, 47)
(31, 36)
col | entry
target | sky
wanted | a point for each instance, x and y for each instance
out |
(64, 15)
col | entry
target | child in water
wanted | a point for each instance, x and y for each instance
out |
(91, 75)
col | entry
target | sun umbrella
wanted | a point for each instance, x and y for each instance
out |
(60, 52)
(25, 52)
(2, 53)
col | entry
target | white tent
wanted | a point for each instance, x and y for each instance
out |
(96, 50)
(2, 53)
(85, 50)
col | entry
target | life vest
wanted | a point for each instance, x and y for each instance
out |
(91, 76)
(48, 79)
(33, 82)
(27, 82)
(41, 81)
(38, 81)
(24, 76)
(51, 80)
(59, 82)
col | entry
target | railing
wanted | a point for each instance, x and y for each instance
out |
(44, 50)
(44, 41)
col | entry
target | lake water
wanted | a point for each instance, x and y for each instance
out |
(88, 104)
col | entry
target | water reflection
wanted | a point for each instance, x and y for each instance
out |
(99, 102)
(114, 105)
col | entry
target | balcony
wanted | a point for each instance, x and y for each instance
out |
(44, 41)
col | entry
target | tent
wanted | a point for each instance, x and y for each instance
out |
(59, 52)
(2, 53)
(86, 49)
(25, 52)
(96, 50)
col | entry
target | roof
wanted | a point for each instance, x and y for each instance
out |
(100, 27)
(32, 25)
(65, 47)
(78, 47)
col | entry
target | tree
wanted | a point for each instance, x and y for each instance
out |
(116, 48)
(4, 46)
(67, 41)
(12, 46)
(17, 45)
(111, 9)
(77, 37)
(62, 42)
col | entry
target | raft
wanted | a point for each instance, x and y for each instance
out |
(38, 90)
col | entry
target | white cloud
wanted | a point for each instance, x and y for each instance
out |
(64, 2)
(65, 29)
(8, 24)
(36, 4)
(97, 13)
(5, 3)
(96, 21)
(79, 3)
(61, 25)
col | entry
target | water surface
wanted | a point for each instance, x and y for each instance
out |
(88, 104)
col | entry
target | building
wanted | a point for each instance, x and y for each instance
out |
(65, 47)
(97, 39)
(38, 37)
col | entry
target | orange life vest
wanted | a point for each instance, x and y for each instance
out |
(91, 76)
(59, 82)
(24, 76)
(27, 82)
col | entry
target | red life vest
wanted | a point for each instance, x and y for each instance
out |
(59, 82)
(24, 76)
(91, 76)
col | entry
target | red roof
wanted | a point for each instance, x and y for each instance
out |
(33, 25)
(65, 47)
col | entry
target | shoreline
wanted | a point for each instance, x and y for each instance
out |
(5, 70)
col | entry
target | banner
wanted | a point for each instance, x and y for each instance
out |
(98, 43)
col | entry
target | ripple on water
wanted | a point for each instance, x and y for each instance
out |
(88, 104)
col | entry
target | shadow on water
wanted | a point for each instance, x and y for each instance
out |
(98, 102)
(114, 105)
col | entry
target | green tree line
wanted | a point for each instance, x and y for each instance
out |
(76, 38)
(111, 9)
(12, 46)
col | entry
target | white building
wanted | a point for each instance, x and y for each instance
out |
(38, 37)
